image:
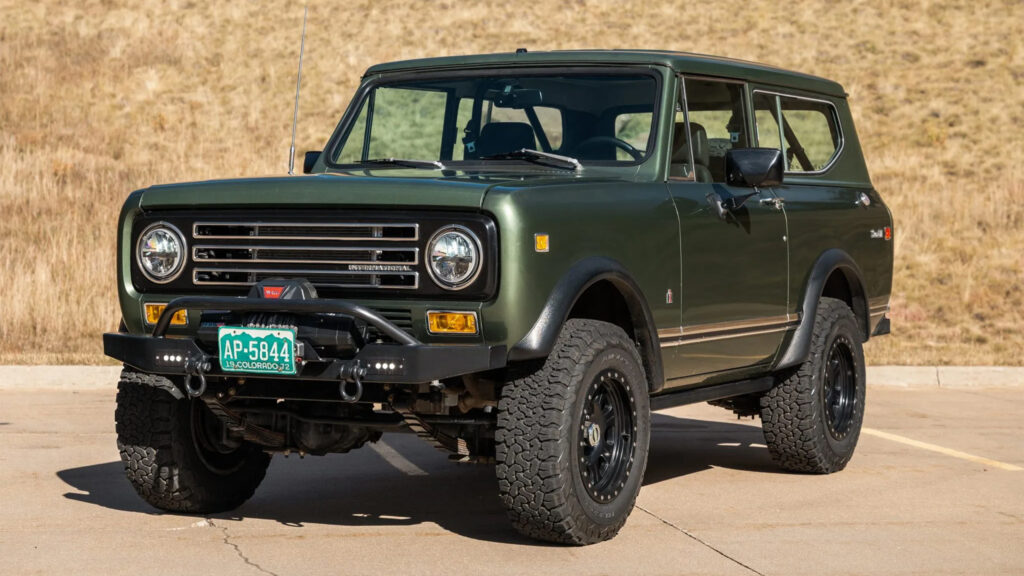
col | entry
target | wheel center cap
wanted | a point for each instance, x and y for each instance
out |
(593, 434)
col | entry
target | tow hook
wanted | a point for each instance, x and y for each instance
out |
(351, 387)
(194, 367)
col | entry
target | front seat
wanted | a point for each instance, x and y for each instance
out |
(701, 152)
(680, 164)
(503, 137)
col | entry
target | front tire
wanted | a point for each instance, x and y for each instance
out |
(173, 452)
(573, 437)
(812, 418)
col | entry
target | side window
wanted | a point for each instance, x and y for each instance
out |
(634, 128)
(407, 124)
(767, 121)
(717, 124)
(812, 134)
(809, 133)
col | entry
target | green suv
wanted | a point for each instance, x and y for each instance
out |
(516, 257)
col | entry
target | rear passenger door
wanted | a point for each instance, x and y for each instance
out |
(734, 271)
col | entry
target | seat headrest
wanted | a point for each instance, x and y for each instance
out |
(699, 142)
(502, 137)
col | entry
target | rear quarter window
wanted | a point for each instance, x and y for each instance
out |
(806, 130)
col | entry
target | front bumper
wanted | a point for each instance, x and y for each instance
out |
(408, 361)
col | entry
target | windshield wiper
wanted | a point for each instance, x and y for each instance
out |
(537, 157)
(430, 164)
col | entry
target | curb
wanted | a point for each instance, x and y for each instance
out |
(960, 377)
(59, 377)
(909, 377)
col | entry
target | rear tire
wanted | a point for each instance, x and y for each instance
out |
(572, 438)
(172, 454)
(812, 418)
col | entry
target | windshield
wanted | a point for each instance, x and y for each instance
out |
(593, 118)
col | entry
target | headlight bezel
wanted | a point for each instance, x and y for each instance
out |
(183, 257)
(475, 244)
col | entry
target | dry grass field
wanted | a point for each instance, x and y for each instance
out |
(98, 98)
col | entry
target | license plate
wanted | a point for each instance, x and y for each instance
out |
(256, 350)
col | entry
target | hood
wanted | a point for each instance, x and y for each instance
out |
(319, 190)
(385, 188)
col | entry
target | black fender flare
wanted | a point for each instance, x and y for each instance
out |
(799, 347)
(540, 340)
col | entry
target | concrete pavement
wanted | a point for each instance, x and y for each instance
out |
(935, 488)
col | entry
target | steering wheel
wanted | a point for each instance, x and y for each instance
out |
(617, 142)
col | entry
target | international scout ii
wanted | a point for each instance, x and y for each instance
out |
(517, 257)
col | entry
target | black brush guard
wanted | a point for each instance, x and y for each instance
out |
(414, 362)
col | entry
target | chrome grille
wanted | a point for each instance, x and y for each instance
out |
(305, 231)
(330, 255)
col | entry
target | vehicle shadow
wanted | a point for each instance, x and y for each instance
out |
(683, 446)
(362, 489)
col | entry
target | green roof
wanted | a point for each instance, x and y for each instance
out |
(679, 61)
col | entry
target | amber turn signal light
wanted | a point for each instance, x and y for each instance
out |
(541, 242)
(153, 312)
(451, 322)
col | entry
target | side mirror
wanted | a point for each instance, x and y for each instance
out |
(752, 167)
(310, 160)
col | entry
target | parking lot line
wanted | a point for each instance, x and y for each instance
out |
(391, 456)
(942, 450)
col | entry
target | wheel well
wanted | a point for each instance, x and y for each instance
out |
(843, 285)
(604, 301)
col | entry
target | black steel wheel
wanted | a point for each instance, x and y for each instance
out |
(812, 417)
(607, 436)
(840, 388)
(572, 437)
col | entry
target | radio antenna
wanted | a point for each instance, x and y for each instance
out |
(298, 86)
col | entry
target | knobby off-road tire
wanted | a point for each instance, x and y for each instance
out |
(170, 454)
(812, 418)
(572, 437)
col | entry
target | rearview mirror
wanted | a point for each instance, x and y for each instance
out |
(519, 98)
(752, 167)
(310, 161)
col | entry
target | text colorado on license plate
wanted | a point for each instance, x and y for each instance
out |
(256, 350)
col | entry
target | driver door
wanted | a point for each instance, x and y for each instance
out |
(734, 270)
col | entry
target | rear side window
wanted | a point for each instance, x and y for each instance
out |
(766, 118)
(806, 130)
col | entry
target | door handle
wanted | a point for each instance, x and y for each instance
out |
(775, 202)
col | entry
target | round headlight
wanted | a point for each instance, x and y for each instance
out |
(161, 252)
(454, 254)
